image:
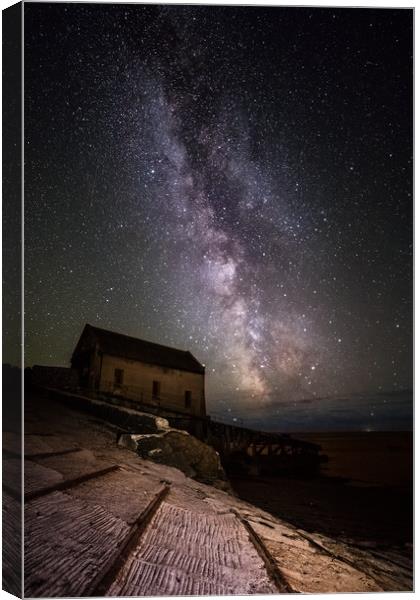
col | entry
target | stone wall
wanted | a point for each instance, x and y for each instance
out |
(54, 377)
(138, 381)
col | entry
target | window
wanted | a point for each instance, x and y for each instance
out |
(156, 389)
(188, 399)
(118, 377)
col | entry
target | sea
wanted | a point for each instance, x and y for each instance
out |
(364, 492)
(374, 458)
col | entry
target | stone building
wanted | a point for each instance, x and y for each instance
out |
(53, 377)
(152, 374)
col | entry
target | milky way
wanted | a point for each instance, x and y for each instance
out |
(232, 181)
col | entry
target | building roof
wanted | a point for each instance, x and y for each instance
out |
(124, 346)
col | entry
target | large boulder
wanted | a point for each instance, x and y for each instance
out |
(178, 449)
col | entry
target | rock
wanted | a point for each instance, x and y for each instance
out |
(178, 449)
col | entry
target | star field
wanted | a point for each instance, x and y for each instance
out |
(233, 181)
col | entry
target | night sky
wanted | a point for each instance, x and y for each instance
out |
(233, 181)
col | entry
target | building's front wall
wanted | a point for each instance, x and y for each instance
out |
(137, 383)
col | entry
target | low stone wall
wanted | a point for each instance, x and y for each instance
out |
(196, 426)
(55, 377)
(125, 418)
(152, 437)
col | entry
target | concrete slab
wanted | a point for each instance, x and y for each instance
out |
(66, 543)
(12, 543)
(194, 544)
(123, 494)
(184, 552)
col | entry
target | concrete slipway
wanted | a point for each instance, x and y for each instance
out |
(100, 521)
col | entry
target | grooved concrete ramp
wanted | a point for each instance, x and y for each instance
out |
(67, 542)
(100, 521)
(12, 540)
(190, 553)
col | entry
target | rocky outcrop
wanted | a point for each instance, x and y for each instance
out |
(178, 449)
(153, 438)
